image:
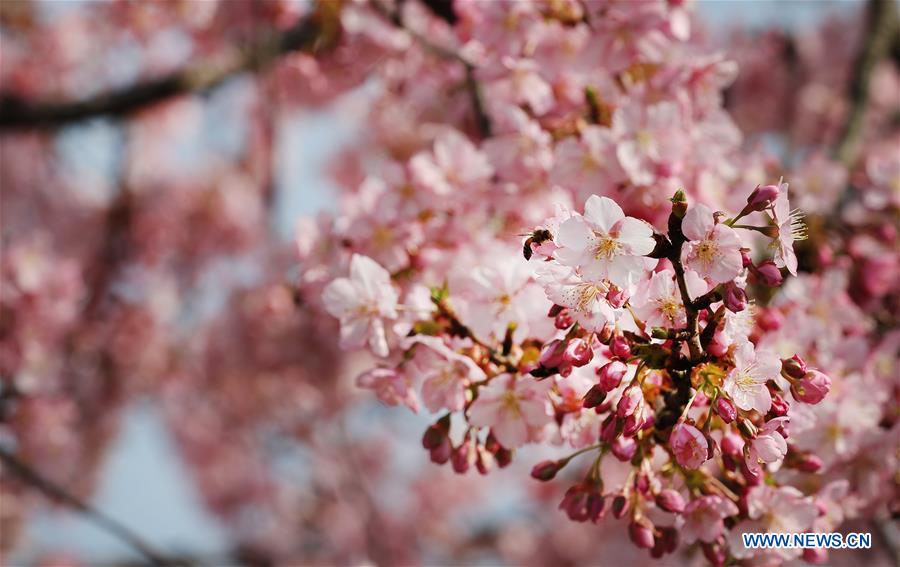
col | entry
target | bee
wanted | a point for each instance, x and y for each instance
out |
(538, 237)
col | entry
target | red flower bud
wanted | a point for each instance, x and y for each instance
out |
(809, 463)
(631, 399)
(779, 407)
(611, 375)
(769, 274)
(441, 453)
(623, 448)
(594, 397)
(546, 470)
(735, 298)
(578, 353)
(793, 367)
(815, 555)
(462, 458)
(563, 320)
(584, 501)
(619, 347)
(726, 410)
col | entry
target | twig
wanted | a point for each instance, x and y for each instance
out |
(881, 30)
(310, 33)
(59, 494)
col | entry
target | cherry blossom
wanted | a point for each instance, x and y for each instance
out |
(713, 250)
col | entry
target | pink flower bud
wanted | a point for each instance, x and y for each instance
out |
(434, 436)
(746, 260)
(594, 397)
(552, 354)
(762, 198)
(616, 297)
(503, 456)
(610, 429)
(578, 353)
(619, 347)
(611, 375)
(769, 274)
(583, 502)
(689, 446)
(631, 398)
(462, 458)
(633, 422)
(809, 463)
(718, 346)
(812, 388)
(671, 501)
(641, 533)
(735, 298)
(563, 320)
(623, 448)
(546, 470)
(779, 407)
(769, 320)
(726, 410)
(793, 367)
(668, 539)
(714, 553)
(484, 461)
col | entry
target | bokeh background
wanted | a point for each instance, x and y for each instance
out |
(141, 477)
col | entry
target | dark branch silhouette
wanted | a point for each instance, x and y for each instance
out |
(311, 33)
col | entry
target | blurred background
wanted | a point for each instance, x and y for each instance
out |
(147, 260)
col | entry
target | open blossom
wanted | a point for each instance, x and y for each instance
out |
(649, 140)
(658, 301)
(790, 228)
(746, 383)
(703, 518)
(390, 386)
(586, 162)
(605, 243)
(444, 374)
(362, 303)
(713, 250)
(585, 299)
(773, 510)
(689, 446)
(769, 446)
(455, 163)
(516, 410)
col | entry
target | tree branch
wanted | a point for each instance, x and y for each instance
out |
(311, 33)
(881, 32)
(62, 496)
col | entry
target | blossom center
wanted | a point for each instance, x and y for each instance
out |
(510, 403)
(606, 247)
(707, 250)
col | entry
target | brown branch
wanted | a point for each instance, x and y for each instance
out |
(311, 33)
(881, 33)
(62, 496)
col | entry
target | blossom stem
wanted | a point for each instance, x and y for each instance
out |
(687, 406)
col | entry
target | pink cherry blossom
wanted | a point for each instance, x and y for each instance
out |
(689, 446)
(455, 163)
(363, 302)
(713, 250)
(390, 386)
(605, 244)
(703, 518)
(585, 299)
(769, 446)
(516, 410)
(790, 228)
(657, 300)
(443, 373)
(746, 382)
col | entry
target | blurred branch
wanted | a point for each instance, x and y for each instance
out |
(62, 496)
(882, 26)
(310, 33)
(482, 120)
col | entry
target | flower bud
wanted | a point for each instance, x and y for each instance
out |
(484, 461)
(552, 354)
(619, 347)
(641, 533)
(780, 407)
(633, 423)
(809, 463)
(714, 553)
(434, 436)
(462, 458)
(735, 298)
(594, 397)
(746, 260)
(623, 448)
(761, 198)
(689, 446)
(668, 539)
(610, 429)
(769, 320)
(620, 506)
(769, 274)
(793, 367)
(578, 353)
(611, 375)
(726, 410)
(671, 501)
(503, 456)
(718, 346)
(555, 310)
(629, 402)
(563, 320)
(812, 388)
(584, 501)
(616, 297)
(441, 454)
(546, 470)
